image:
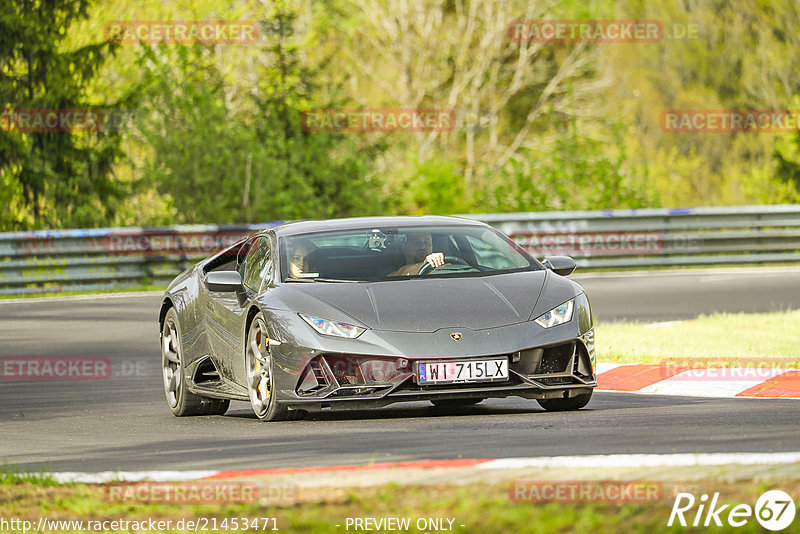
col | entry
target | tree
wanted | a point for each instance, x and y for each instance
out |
(576, 172)
(52, 178)
(462, 55)
(231, 148)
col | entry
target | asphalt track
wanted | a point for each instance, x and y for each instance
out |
(122, 423)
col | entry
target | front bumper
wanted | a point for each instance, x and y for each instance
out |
(314, 372)
(342, 381)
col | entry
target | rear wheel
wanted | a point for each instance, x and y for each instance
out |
(455, 403)
(565, 405)
(180, 400)
(260, 377)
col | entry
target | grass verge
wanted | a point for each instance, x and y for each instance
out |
(749, 337)
(10, 476)
(479, 508)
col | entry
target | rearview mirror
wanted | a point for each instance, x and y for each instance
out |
(228, 281)
(563, 265)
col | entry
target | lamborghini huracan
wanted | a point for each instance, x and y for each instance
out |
(366, 312)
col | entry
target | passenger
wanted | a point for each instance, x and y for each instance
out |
(417, 251)
(298, 259)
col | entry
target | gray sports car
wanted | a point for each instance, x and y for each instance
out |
(365, 312)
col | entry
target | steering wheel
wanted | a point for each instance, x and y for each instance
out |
(427, 267)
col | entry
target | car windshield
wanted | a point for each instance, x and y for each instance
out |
(374, 254)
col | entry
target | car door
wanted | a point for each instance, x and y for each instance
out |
(256, 269)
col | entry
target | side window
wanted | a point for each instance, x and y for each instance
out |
(243, 254)
(266, 272)
(257, 264)
(488, 255)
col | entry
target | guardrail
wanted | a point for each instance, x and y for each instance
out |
(659, 237)
(50, 261)
(82, 260)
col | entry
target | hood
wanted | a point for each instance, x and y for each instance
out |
(423, 305)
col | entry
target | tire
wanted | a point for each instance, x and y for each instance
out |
(455, 403)
(565, 405)
(180, 400)
(260, 378)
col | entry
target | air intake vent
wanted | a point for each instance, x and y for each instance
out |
(313, 378)
(556, 360)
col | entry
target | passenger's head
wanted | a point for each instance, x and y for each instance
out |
(298, 254)
(417, 246)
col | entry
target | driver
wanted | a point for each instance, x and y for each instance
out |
(417, 251)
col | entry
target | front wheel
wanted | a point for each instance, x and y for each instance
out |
(260, 377)
(181, 401)
(565, 405)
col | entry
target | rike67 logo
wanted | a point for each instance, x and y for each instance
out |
(774, 510)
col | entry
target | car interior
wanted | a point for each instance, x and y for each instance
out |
(364, 263)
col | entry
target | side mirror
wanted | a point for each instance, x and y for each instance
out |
(227, 281)
(563, 265)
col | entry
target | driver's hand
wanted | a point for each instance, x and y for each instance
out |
(435, 259)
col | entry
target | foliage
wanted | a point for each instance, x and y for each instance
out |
(575, 172)
(224, 160)
(216, 134)
(52, 178)
(736, 55)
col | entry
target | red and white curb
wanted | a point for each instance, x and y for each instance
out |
(676, 380)
(560, 462)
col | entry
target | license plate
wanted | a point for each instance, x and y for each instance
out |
(462, 371)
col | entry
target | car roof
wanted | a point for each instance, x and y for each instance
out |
(303, 227)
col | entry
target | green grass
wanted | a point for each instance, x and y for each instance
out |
(684, 267)
(481, 508)
(748, 337)
(12, 475)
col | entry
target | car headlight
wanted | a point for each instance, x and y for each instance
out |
(558, 315)
(333, 328)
